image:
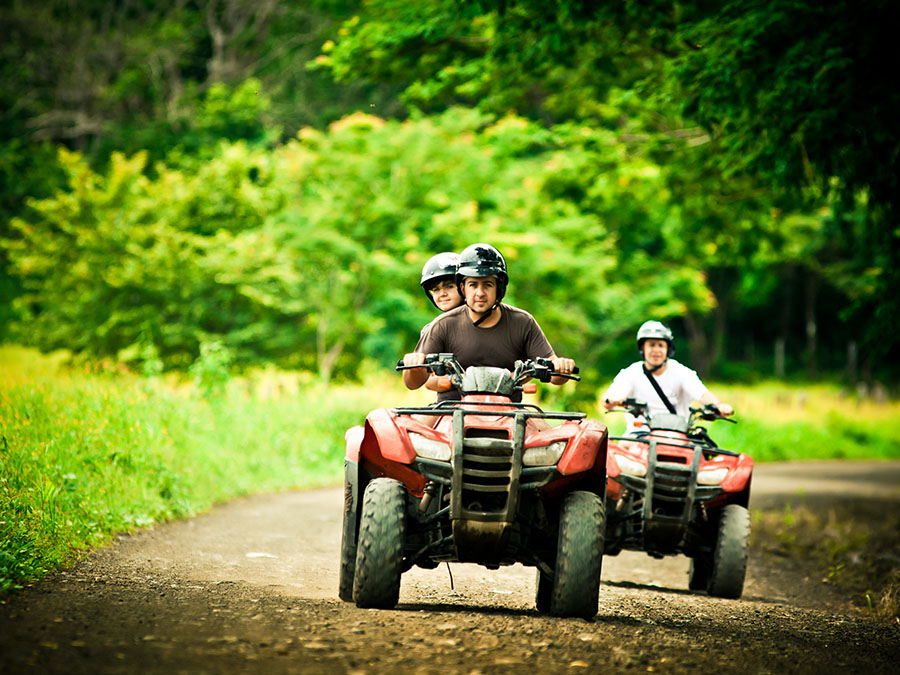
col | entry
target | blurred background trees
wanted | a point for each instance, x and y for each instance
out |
(271, 176)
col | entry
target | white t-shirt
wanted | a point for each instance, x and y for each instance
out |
(680, 384)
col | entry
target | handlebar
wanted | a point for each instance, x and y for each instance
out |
(542, 369)
(446, 364)
(708, 412)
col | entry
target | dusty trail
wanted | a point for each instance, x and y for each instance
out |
(251, 587)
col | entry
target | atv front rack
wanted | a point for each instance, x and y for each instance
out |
(485, 473)
(528, 409)
(669, 491)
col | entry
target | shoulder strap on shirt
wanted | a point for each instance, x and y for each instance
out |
(659, 390)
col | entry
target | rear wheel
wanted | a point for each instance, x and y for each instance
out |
(579, 556)
(379, 553)
(729, 563)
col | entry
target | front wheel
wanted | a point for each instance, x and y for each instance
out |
(379, 553)
(729, 563)
(576, 583)
(348, 546)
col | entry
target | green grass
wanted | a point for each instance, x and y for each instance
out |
(779, 422)
(84, 455)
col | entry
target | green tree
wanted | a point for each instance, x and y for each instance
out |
(788, 95)
(308, 254)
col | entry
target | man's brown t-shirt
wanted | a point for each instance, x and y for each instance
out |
(515, 337)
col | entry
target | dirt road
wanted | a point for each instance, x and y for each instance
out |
(251, 587)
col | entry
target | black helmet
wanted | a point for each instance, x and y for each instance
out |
(482, 260)
(439, 267)
(655, 330)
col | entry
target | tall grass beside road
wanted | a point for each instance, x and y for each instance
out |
(84, 456)
(779, 422)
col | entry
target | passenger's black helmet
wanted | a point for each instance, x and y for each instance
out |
(482, 260)
(439, 267)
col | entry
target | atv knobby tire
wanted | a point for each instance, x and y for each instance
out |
(379, 551)
(729, 564)
(348, 547)
(579, 556)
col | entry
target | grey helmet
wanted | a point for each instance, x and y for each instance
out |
(655, 330)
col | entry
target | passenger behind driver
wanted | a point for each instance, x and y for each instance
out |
(483, 331)
(439, 283)
(679, 384)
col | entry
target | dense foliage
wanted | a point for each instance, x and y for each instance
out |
(728, 167)
(782, 105)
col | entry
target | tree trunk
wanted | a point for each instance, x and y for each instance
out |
(327, 356)
(724, 282)
(698, 345)
(852, 368)
(788, 274)
(812, 288)
(779, 357)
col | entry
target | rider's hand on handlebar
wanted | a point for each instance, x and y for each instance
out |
(725, 410)
(414, 359)
(563, 365)
(609, 405)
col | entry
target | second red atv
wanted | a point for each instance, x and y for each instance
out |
(672, 491)
(481, 480)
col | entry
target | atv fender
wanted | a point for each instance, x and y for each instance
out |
(354, 438)
(385, 451)
(393, 443)
(587, 449)
(738, 479)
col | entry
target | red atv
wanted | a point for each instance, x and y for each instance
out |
(481, 480)
(672, 491)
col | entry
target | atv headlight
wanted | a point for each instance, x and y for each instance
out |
(712, 476)
(630, 467)
(544, 455)
(429, 448)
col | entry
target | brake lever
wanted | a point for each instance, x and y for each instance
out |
(400, 366)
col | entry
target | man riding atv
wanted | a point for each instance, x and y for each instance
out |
(483, 331)
(665, 384)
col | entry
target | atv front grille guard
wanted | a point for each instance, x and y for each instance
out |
(669, 492)
(486, 475)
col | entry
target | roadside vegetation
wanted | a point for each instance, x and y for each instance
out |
(86, 454)
(854, 546)
(777, 421)
(92, 451)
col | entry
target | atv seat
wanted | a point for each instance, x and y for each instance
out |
(669, 422)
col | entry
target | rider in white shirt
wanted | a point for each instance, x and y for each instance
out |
(678, 383)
